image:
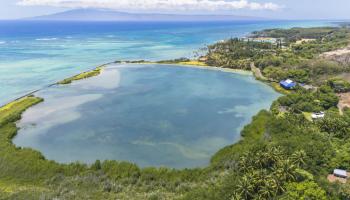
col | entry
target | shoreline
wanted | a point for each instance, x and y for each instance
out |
(228, 70)
(206, 67)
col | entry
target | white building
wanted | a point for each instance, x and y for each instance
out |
(340, 173)
(319, 115)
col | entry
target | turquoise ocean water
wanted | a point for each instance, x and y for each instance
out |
(35, 54)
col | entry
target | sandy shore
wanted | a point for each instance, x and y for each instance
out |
(236, 71)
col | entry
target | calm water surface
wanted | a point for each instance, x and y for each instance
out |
(35, 54)
(153, 115)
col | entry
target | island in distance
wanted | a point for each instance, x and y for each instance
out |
(111, 15)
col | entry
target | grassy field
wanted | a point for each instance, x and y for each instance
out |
(12, 111)
(278, 88)
(308, 116)
(193, 62)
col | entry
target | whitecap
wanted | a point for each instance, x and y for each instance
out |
(45, 39)
(2, 42)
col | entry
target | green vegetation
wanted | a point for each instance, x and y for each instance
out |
(236, 53)
(297, 60)
(81, 76)
(283, 153)
(339, 85)
(304, 190)
(314, 101)
(295, 34)
(12, 111)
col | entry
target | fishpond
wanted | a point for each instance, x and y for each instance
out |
(151, 115)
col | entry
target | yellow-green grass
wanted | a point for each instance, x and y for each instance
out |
(9, 187)
(308, 116)
(281, 114)
(174, 62)
(279, 89)
(12, 111)
(81, 76)
(193, 62)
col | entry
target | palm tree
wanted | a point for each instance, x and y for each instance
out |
(298, 158)
(246, 163)
(279, 185)
(242, 163)
(269, 189)
(236, 196)
(245, 187)
(259, 160)
(275, 154)
(285, 170)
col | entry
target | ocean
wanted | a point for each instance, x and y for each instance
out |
(34, 54)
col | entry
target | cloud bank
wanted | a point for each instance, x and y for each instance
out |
(158, 5)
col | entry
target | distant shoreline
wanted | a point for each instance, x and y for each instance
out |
(214, 68)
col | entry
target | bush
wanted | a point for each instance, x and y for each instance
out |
(339, 85)
(304, 190)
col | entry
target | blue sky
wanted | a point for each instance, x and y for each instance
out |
(277, 9)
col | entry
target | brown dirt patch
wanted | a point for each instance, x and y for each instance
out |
(339, 55)
(344, 101)
(331, 178)
(345, 76)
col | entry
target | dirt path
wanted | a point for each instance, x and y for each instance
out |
(344, 101)
(339, 55)
(257, 72)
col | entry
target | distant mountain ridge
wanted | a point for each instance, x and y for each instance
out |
(111, 15)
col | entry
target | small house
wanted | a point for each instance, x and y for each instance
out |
(340, 173)
(288, 84)
(318, 115)
(203, 59)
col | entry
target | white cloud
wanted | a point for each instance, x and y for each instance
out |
(159, 5)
